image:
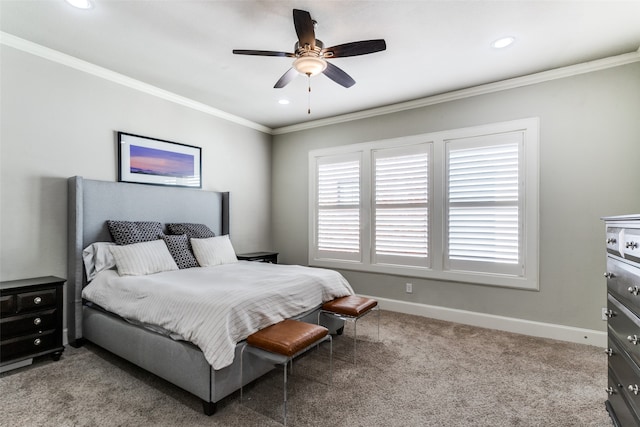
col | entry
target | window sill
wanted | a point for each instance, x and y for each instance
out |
(503, 281)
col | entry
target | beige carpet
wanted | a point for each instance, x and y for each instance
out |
(423, 372)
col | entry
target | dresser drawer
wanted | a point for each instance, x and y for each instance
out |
(615, 240)
(27, 344)
(29, 323)
(623, 280)
(630, 246)
(626, 378)
(622, 411)
(624, 326)
(35, 300)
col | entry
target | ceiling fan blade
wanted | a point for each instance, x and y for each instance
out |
(337, 75)
(263, 53)
(354, 48)
(304, 28)
(286, 78)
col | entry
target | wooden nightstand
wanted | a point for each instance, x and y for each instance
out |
(271, 257)
(30, 320)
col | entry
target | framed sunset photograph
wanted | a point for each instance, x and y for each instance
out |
(145, 160)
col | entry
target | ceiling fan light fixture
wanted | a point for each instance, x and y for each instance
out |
(310, 65)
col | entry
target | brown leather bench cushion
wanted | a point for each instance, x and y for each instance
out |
(287, 337)
(351, 305)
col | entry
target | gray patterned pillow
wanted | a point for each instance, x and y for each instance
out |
(178, 245)
(129, 232)
(193, 231)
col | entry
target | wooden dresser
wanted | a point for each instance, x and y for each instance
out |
(623, 318)
(30, 319)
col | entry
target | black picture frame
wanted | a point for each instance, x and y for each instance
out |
(146, 160)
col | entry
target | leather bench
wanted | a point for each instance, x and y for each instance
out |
(281, 343)
(351, 308)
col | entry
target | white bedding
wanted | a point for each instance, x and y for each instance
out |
(216, 307)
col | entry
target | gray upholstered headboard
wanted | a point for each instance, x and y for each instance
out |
(92, 203)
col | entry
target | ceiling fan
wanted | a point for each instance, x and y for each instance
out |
(311, 55)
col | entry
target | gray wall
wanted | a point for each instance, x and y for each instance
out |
(58, 122)
(589, 154)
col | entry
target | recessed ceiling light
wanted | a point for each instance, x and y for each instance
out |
(80, 4)
(503, 42)
(283, 101)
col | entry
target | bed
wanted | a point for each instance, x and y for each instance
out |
(179, 361)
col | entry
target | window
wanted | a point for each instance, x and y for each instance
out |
(457, 205)
(484, 204)
(338, 207)
(401, 214)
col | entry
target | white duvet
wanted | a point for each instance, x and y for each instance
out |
(216, 307)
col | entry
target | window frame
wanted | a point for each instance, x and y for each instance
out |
(437, 234)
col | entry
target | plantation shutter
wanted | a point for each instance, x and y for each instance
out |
(484, 204)
(401, 180)
(338, 208)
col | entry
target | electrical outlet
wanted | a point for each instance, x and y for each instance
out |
(409, 288)
(604, 313)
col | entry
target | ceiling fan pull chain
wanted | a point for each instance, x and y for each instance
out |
(309, 95)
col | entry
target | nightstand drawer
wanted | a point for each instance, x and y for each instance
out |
(35, 300)
(29, 323)
(7, 304)
(27, 344)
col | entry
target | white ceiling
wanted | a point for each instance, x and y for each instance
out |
(433, 47)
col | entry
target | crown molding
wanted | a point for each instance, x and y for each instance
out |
(531, 79)
(78, 64)
(558, 73)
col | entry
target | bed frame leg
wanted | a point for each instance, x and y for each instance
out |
(209, 408)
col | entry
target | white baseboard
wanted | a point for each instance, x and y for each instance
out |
(490, 321)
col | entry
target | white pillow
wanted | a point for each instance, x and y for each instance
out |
(97, 257)
(213, 251)
(143, 258)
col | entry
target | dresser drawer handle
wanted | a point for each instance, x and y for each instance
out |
(634, 388)
(609, 275)
(37, 300)
(611, 241)
(633, 339)
(609, 313)
(610, 390)
(631, 245)
(635, 290)
(609, 352)
(37, 321)
(37, 341)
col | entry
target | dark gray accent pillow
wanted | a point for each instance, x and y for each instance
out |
(178, 245)
(129, 232)
(193, 231)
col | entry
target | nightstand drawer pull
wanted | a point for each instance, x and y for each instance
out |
(610, 390)
(609, 275)
(631, 245)
(633, 339)
(37, 321)
(611, 241)
(37, 341)
(634, 388)
(609, 352)
(37, 300)
(634, 290)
